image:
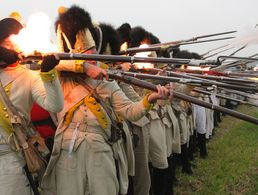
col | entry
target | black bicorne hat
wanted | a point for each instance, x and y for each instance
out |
(72, 21)
(9, 26)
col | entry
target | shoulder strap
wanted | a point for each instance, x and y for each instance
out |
(99, 99)
(11, 76)
(17, 120)
(116, 127)
(75, 96)
(14, 114)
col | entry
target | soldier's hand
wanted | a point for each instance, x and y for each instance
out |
(170, 87)
(49, 62)
(125, 66)
(162, 72)
(162, 93)
(8, 56)
(95, 72)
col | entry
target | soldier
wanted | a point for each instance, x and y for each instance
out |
(83, 161)
(153, 138)
(23, 87)
(200, 119)
(181, 114)
(185, 118)
(209, 119)
(110, 43)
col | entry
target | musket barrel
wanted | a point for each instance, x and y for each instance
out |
(243, 74)
(182, 78)
(159, 46)
(237, 58)
(224, 97)
(118, 58)
(206, 82)
(140, 83)
(150, 86)
(223, 78)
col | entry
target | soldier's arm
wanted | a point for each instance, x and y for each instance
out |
(47, 92)
(130, 92)
(71, 65)
(80, 66)
(123, 105)
(182, 88)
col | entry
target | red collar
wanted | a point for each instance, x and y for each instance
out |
(13, 65)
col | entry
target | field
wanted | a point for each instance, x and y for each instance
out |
(232, 164)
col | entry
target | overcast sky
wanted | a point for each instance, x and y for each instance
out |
(167, 19)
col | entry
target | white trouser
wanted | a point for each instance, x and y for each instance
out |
(13, 180)
(88, 170)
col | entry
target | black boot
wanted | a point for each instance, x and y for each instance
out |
(159, 181)
(202, 145)
(130, 186)
(215, 119)
(170, 177)
(174, 164)
(218, 116)
(186, 166)
(192, 147)
(151, 175)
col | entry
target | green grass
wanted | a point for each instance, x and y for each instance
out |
(232, 164)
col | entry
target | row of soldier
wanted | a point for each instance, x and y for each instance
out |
(110, 137)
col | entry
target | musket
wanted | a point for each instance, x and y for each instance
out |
(224, 78)
(218, 73)
(207, 80)
(224, 97)
(220, 76)
(198, 37)
(216, 53)
(243, 62)
(208, 52)
(118, 58)
(241, 48)
(242, 74)
(204, 41)
(32, 183)
(236, 58)
(140, 83)
(209, 72)
(241, 93)
(186, 79)
(157, 47)
(219, 84)
(174, 43)
(117, 75)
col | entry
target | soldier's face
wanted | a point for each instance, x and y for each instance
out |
(8, 44)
